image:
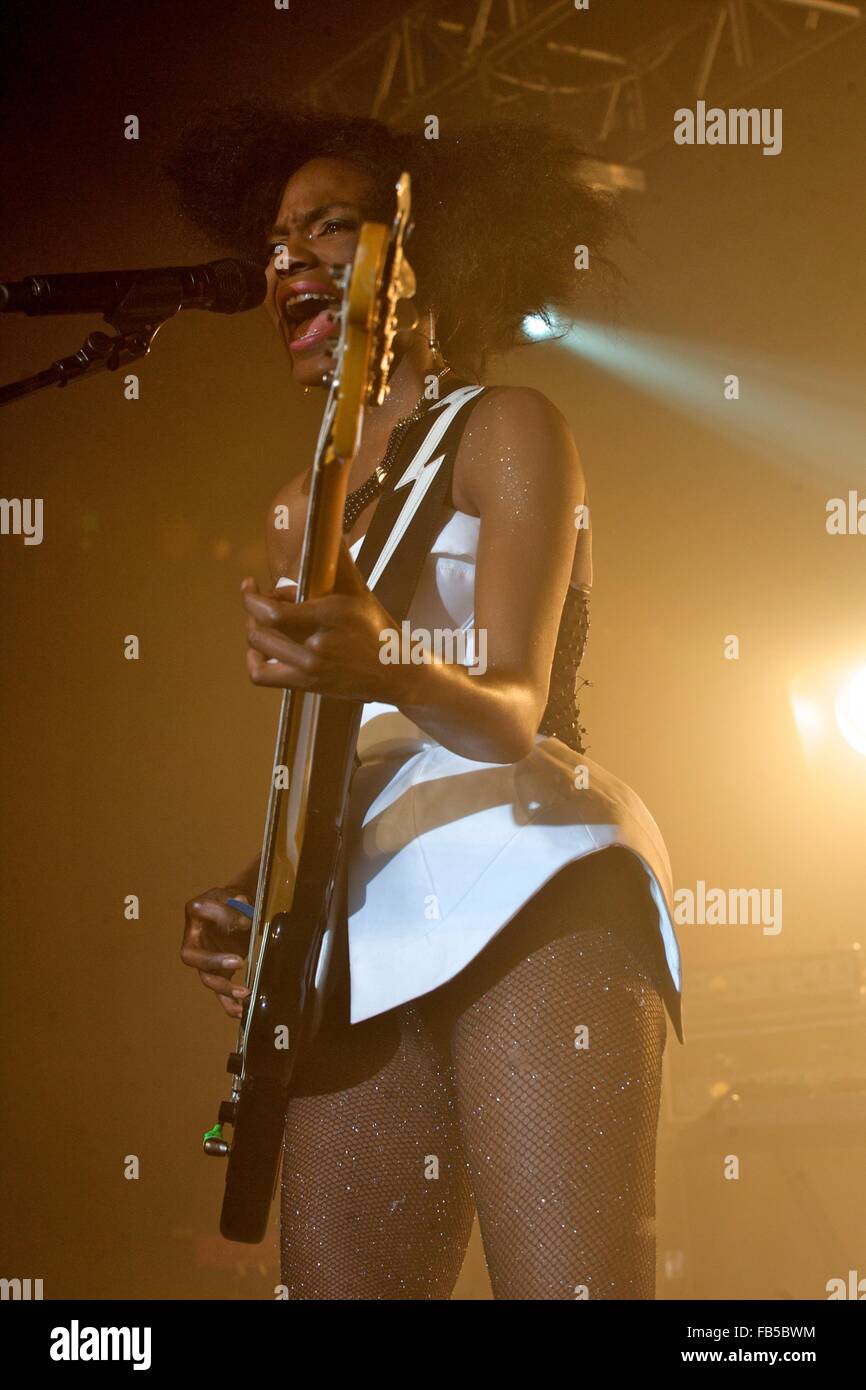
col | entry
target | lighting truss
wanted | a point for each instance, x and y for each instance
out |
(616, 70)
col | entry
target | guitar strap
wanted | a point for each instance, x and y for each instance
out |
(403, 526)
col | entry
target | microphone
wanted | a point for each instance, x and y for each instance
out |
(224, 287)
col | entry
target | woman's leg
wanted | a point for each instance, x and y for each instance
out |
(557, 1051)
(375, 1202)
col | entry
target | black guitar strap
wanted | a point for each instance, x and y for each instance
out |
(404, 524)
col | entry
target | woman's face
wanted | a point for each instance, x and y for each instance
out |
(315, 230)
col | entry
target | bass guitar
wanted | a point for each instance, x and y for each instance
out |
(313, 763)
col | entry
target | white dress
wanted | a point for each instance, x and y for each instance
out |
(443, 851)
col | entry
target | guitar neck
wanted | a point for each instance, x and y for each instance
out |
(295, 747)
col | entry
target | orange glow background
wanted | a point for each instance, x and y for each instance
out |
(149, 777)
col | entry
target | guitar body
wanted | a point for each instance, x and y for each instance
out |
(313, 763)
(282, 1006)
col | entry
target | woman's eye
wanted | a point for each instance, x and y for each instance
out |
(277, 253)
(338, 224)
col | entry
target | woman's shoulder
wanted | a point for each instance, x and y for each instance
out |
(518, 434)
(517, 403)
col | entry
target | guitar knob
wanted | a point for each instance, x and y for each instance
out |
(213, 1143)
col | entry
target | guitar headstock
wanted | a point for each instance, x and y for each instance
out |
(380, 276)
(398, 282)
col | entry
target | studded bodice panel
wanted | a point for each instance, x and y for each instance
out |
(561, 718)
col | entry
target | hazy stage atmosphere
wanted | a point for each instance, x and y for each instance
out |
(717, 404)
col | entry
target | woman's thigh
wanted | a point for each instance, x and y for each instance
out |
(557, 1047)
(375, 1196)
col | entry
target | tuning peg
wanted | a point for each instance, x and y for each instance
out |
(213, 1143)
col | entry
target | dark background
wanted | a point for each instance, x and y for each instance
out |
(149, 777)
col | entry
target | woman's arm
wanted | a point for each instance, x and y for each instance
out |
(519, 471)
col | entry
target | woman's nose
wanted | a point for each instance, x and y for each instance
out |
(292, 256)
(283, 264)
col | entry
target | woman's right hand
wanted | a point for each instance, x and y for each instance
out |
(214, 943)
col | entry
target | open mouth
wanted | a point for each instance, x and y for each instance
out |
(310, 316)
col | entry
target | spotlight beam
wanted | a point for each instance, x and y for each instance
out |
(814, 424)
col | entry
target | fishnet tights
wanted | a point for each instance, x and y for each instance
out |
(483, 1094)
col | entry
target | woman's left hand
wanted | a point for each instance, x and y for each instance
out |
(328, 645)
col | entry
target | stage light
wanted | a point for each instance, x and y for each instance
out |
(534, 326)
(809, 716)
(826, 703)
(850, 710)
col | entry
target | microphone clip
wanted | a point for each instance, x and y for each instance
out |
(100, 352)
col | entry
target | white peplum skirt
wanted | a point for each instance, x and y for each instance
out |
(444, 851)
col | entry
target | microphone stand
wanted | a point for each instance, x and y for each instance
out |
(100, 352)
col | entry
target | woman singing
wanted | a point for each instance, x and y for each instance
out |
(494, 1024)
